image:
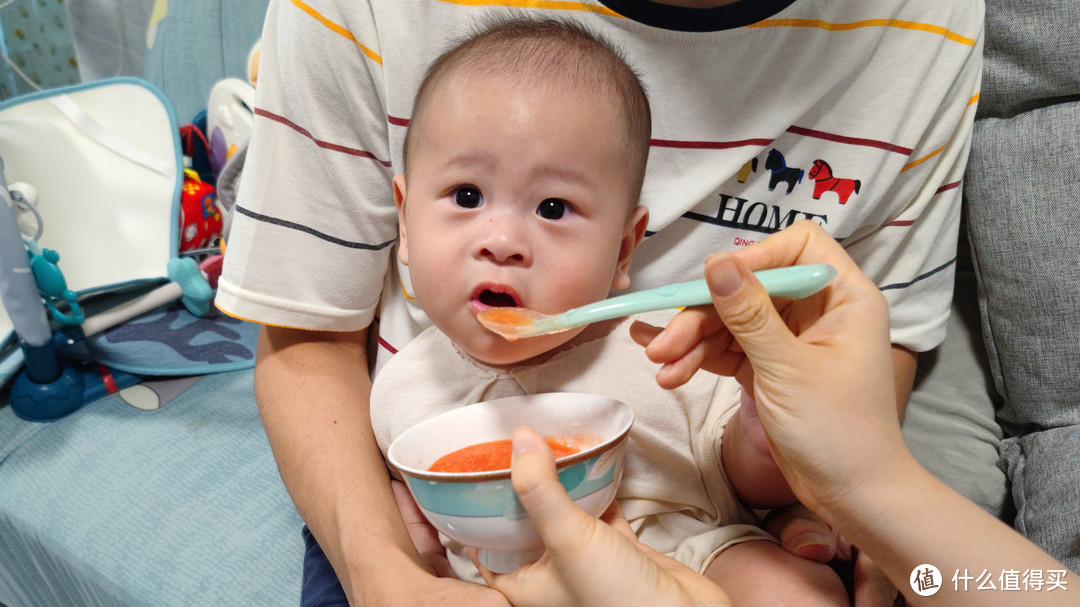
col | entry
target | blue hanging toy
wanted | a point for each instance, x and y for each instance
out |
(44, 264)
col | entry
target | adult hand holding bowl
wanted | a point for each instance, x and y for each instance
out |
(599, 563)
(480, 508)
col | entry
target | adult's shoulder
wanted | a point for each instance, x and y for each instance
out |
(961, 13)
(931, 16)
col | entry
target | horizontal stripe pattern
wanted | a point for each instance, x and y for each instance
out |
(707, 145)
(914, 163)
(386, 344)
(738, 143)
(310, 230)
(872, 143)
(920, 277)
(904, 223)
(948, 186)
(854, 25)
(337, 29)
(796, 130)
(326, 145)
(917, 162)
(767, 23)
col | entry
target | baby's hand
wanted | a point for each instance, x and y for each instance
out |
(694, 339)
(424, 537)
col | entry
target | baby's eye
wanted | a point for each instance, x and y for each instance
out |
(468, 197)
(552, 208)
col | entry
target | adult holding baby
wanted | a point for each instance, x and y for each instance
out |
(834, 434)
(771, 87)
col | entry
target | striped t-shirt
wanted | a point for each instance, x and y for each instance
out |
(856, 115)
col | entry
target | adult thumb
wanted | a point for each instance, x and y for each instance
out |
(560, 522)
(746, 309)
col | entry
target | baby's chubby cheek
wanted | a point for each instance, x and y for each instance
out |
(567, 292)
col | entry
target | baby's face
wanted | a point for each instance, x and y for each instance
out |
(515, 197)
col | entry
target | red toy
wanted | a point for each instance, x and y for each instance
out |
(200, 217)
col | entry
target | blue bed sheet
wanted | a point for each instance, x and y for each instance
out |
(123, 507)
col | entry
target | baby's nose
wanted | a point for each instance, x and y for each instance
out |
(504, 242)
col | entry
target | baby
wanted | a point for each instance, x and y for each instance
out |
(524, 158)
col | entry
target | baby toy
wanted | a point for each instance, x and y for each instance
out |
(44, 265)
(200, 217)
(49, 388)
(230, 114)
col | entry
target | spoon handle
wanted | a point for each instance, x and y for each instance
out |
(794, 281)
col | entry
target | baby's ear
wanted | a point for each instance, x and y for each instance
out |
(399, 200)
(633, 234)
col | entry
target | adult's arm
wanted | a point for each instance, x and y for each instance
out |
(826, 398)
(310, 247)
(312, 390)
(904, 363)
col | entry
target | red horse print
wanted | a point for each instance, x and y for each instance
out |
(744, 172)
(824, 181)
(781, 172)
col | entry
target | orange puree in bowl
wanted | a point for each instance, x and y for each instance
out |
(494, 455)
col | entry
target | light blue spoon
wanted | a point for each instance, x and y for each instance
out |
(518, 323)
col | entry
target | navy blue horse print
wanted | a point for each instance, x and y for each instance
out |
(781, 172)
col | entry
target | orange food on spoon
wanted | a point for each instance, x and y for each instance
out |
(509, 316)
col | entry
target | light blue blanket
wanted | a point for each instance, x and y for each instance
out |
(123, 507)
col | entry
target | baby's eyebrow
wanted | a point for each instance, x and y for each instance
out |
(565, 174)
(481, 160)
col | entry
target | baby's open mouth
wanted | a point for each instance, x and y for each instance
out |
(497, 300)
(497, 296)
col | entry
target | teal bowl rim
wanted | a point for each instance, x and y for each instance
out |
(504, 474)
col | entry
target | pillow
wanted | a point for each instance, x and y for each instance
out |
(1023, 191)
(1023, 197)
(1030, 56)
(1046, 489)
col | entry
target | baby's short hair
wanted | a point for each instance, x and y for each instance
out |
(537, 51)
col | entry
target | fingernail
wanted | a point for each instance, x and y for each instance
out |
(819, 553)
(812, 542)
(724, 277)
(524, 442)
(659, 339)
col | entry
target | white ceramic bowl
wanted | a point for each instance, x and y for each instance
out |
(480, 508)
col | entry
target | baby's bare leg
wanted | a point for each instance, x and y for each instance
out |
(763, 573)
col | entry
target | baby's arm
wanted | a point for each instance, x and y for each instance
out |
(744, 451)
